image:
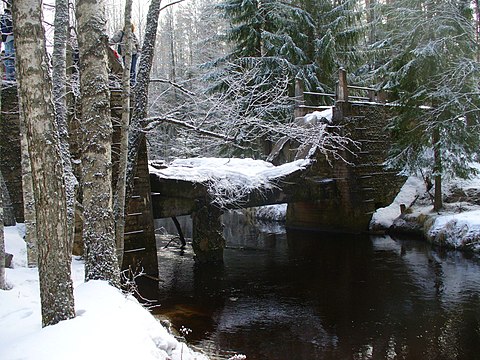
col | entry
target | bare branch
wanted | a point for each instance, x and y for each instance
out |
(174, 84)
(170, 4)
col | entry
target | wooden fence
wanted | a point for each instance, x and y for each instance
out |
(344, 94)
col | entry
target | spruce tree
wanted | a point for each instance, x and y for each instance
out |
(431, 70)
(270, 35)
(269, 40)
(337, 38)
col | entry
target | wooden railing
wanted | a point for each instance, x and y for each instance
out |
(344, 94)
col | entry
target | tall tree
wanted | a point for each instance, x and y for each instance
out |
(272, 35)
(3, 283)
(338, 33)
(59, 79)
(35, 92)
(136, 133)
(28, 197)
(476, 7)
(431, 62)
(98, 230)
(119, 196)
(268, 37)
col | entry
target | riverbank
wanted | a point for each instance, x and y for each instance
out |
(109, 324)
(457, 226)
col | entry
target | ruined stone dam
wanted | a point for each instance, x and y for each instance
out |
(331, 194)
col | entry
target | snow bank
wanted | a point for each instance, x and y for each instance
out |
(16, 245)
(319, 116)
(456, 226)
(384, 217)
(457, 230)
(108, 323)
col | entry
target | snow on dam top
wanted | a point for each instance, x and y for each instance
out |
(248, 172)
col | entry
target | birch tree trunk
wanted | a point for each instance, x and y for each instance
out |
(136, 134)
(35, 92)
(98, 228)
(29, 215)
(59, 79)
(119, 203)
(3, 283)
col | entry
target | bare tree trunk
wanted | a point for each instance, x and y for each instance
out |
(476, 6)
(119, 204)
(59, 80)
(3, 283)
(35, 91)
(371, 21)
(171, 30)
(29, 215)
(136, 134)
(99, 229)
(437, 171)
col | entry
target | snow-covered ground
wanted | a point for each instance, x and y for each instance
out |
(112, 325)
(108, 323)
(456, 226)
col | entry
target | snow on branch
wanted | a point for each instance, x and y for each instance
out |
(174, 84)
(249, 107)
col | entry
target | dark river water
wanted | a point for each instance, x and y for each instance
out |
(304, 295)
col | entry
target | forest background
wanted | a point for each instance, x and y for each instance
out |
(221, 81)
(249, 53)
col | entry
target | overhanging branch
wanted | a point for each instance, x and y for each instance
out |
(153, 122)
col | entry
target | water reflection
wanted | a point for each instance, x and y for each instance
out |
(305, 295)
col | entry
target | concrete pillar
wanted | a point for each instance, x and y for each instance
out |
(208, 242)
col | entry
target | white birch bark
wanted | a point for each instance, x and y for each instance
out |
(35, 92)
(98, 228)
(3, 283)
(59, 79)
(29, 215)
(119, 204)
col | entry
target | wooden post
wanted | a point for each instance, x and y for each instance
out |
(342, 86)
(342, 107)
(299, 98)
(382, 97)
